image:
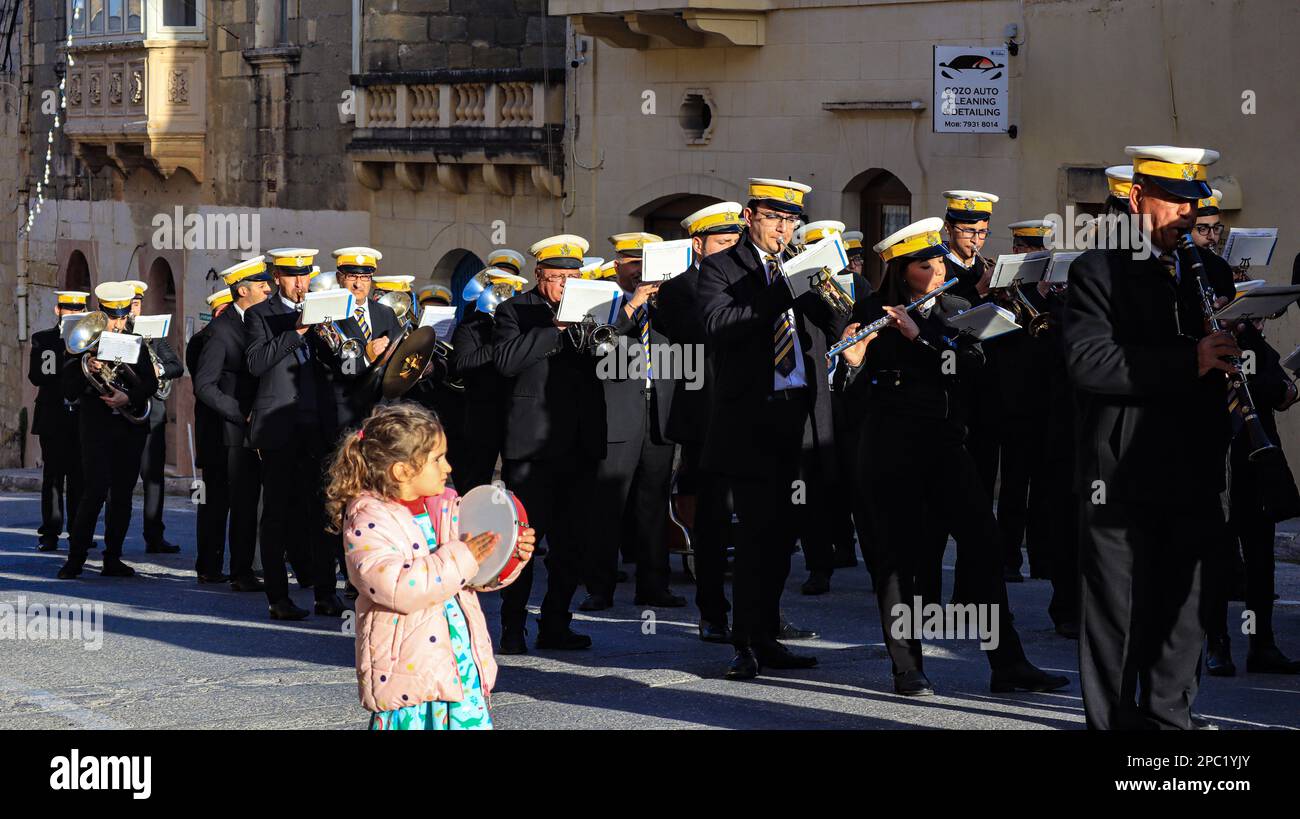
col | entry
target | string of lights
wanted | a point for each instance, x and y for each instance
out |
(33, 212)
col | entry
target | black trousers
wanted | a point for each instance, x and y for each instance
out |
(919, 452)
(1022, 494)
(60, 477)
(767, 520)
(849, 414)
(826, 522)
(556, 495)
(293, 508)
(710, 534)
(1141, 631)
(110, 466)
(630, 501)
(1063, 532)
(480, 446)
(1251, 530)
(153, 463)
(233, 482)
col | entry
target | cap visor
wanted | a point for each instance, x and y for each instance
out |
(1183, 188)
(781, 205)
(967, 216)
(926, 253)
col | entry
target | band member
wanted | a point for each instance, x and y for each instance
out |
(210, 458)
(1153, 435)
(712, 229)
(1251, 516)
(769, 356)
(1119, 179)
(1024, 358)
(510, 260)
(632, 481)
(473, 363)
(555, 434)
(848, 409)
(372, 323)
(827, 534)
(167, 368)
(293, 428)
(226, 389)
(55, 422)
(110, 443)
(437, 295)
(914, 431)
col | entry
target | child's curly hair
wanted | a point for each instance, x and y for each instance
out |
(393, 433)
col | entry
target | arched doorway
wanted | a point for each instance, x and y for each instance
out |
(76, 274)
(454, 270)
(884, 205)
(160, 299)
(663, 216)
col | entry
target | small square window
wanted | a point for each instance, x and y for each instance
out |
(180, 13)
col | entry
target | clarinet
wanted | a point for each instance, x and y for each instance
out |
(1259, 441)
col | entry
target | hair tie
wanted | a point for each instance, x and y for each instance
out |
(361, 434)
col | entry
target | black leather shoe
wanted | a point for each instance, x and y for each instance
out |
(712, 631)
(1218, 658)
(744, 666)
(620, 576)
(247, 584)
(212, 578)
(350, 592)
(286, 610)
(1012, 576)
(162, 548)
(661, 600)
(775, 655)
(1270, 660)
(331, 606)
(47, 546)
(1023, 676)
(595, 602)
(844, 559)
(512, 641)
(912, 684)
(818, 582)
(116, 568)
(567, 640)
(789, 631)
(70, 571)
(1068, 629)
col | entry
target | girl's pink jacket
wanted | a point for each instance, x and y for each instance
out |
(404, 654)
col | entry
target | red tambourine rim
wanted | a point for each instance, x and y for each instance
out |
(521, 521)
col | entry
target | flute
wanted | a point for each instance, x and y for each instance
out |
(883, 322)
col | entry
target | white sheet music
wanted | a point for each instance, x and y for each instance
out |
(1058, 269)
(661, 261)
(119, 347)
(1255, 244)
(986, 321)
(152, 326)
(1025, 268)
(327, 305)
(441, 319)
(802, 271)
(598, 298)
(1260, 302)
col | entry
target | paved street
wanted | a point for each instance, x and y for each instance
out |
(179, 655)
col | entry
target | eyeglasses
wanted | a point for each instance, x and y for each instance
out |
(355, 276)
(1206, 230)
(776, 217)
(560, 276)
(972, 233)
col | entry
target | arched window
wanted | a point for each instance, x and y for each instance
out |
(454, 270)
(76, 274)
(663, 216)
(884, 205)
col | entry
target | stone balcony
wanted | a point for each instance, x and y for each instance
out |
(138, 102)
(679, 23)
(505, 124)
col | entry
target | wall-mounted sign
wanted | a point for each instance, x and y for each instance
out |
(970, 90)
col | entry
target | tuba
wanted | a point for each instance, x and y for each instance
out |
(112, 376)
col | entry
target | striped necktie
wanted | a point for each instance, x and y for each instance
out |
(1170, 265)
(784, 330)
(361, 320)
(643, 322)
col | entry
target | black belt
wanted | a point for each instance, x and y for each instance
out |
(886, 378)
(789, 394)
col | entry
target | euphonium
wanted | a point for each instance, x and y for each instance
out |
(400, 303)
(112, 376)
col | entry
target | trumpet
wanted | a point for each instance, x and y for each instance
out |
(590, 337)
(342, 346)
(1259, 441)
(1022, 307)
(883, 322)
(112, 376)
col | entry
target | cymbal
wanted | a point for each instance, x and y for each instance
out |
(407, 362)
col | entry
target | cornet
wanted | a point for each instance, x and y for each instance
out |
(329, 331)
(112, 376)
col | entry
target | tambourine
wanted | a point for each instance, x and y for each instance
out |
(490, 508)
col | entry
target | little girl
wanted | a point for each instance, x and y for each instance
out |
(424, 657)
